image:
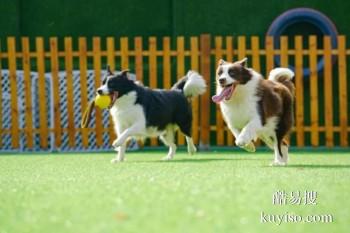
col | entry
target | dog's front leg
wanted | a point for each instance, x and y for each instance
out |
(121, 140)
(120, 143)
(121, 154)
(248, 133)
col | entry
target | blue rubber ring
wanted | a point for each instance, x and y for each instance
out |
(297, 15)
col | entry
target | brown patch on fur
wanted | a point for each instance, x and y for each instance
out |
(270, 102)
(238, 71)
(276, 99)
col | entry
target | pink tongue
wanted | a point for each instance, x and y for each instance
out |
(224, 93)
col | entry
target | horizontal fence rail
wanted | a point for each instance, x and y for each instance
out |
(46, 84)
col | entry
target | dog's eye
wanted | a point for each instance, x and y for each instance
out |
(231, 73)
(220, 72)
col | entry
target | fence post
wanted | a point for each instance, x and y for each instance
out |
(138, 59)
(219, 120)
(313, 90)
(28, 92)
(269, 54)
(328, 91)
(342, 91)
(42, 92)
(56, 90)
(124, 53)
(180, 71)
(299, 91)
(96, 47)
(83, 85)
(205, 47)
(195, 101)
(152, 43)
(11, 44)
(229, 58)
(68, 59)
(111, 63)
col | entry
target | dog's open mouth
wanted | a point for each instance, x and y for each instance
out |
(114, 97)
(225, 93)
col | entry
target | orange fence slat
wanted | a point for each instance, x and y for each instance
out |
(138, 59)
(242, 49)
(70, 89)
(42, 92)
(56, 90)
(328, 91)
(313, 90)
(299, 90)
(219, 120)
(284, 51)
(153, 70)
(343, 103)
(229, 58)
(96, 47)
(269, 54)
(180, 71)
(11, 47)
(195, 101)
(28, 92)
(255, 53)
(205, 98)
(124, 53)
(83, 85)
(111, 63)
(166, 63)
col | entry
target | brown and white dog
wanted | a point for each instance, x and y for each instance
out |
(254, 107)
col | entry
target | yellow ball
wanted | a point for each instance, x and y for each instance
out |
(102, 101)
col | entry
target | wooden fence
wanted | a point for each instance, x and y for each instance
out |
(321, 109)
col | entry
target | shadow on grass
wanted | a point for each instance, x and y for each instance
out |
(201, 160)
(317, 166)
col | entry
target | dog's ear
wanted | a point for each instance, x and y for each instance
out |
(109, 71)
(124, 73)
(221, 62)
(243, 62)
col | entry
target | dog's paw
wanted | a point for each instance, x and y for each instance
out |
(167, 158)
(191, 150)
(278, 163)
(117, 160)
(250, 147)
(242, 141)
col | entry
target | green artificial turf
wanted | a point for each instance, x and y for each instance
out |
(208, 192)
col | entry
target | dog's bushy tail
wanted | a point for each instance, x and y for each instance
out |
(284, 76)
(192, 84)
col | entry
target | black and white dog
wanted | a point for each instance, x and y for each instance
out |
(254, 107)
(141, 112)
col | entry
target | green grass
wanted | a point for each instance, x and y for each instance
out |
(209, 192)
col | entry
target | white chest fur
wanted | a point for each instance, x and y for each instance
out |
(125, 112)
(242, 107)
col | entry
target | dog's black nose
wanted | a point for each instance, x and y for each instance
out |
(99, 92)
(222, 81)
